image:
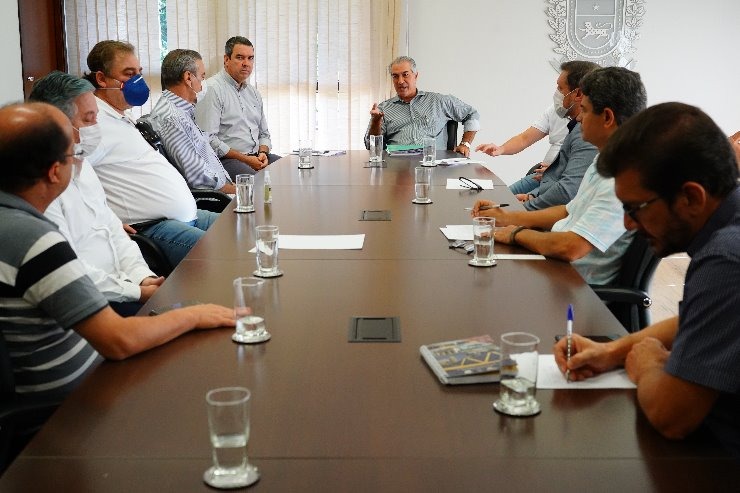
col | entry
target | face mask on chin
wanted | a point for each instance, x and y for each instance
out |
(557, 100)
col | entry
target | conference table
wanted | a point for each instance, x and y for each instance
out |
(331, 415)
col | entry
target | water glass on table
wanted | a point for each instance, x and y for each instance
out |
(519, 359)
(376, 149)
(249, 310)
(244, 193)
(305, 151)
(267, 252)
(483, 228)
(429, 152)
(228, 425)
(422, 185)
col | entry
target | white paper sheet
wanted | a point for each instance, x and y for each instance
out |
(458, 232)
(455, 184)
(549, 377)
(319, 242)
(453, 161)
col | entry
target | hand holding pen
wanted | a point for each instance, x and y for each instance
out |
(568, 340)
(486, 208)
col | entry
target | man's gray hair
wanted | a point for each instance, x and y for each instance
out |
(176, 63)
(60, 89)
(402, 59)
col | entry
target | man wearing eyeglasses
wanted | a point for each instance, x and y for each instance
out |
(676, 174)
(589, 230)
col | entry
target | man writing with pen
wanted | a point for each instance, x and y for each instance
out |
(589, 230)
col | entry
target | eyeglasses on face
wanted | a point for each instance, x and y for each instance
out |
(632, 211)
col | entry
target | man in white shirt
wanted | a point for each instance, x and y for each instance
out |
(140, 184)
(233, 115)
(111, 259)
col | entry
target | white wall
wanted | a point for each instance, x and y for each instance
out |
(11, 83)
(494, 54)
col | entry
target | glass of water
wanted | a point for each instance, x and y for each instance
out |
(376, 150)
(518, 375)
(244, 193)
(483, 228)
(422, 185)
(305, 150)
(430, 152)
(228, 424)
(267, 252)
(249, 310)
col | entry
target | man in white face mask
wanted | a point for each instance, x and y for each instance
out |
(111, 259)
(173, 117)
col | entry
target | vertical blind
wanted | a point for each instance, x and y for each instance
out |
(319, 64)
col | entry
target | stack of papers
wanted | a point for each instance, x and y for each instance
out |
(323, 153)
(403, 150)
(454, 161)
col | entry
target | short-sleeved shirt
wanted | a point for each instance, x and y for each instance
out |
(232, 115)
(556, 129)
(595, 214)
(706, 349)
(426, 115)
(44, 293)
(139, 182)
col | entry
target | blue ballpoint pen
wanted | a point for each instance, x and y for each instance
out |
(569, 339)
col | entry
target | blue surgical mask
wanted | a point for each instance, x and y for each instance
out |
(135, 90)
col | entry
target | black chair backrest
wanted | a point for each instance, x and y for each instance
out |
(638, 265)
(153, 255)
(152, 137)
(451, 135)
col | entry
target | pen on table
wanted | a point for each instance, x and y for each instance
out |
(568, 340)
(487, 207)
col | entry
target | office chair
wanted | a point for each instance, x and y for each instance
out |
(208, 200)
(20, 416)
(451, 135)
(627, 297)
(153, 255)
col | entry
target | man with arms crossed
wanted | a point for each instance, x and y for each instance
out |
(111, 259)
(589, 230)
(140, 184)
(232, 113)
(173, 118)
(54, 320)
(676, 176)
(413, 115)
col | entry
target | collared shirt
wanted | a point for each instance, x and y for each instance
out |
(556, 129)
(595, 214)
(111, 259)
(706, 349)
(232, 115)
(562, 178)
(139, 182)
(426, 115)
(174, 119)
(44, 293)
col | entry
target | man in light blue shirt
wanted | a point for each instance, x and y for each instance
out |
(588, 231)
(232, 113)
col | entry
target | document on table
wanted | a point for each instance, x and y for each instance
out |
(323, 153)
(456, 184)
(319, 242)
(454, 161)
(465, 232)
(549, 377)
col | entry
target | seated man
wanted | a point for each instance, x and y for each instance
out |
(589, 230)
(173, 118)
(111, 259)
(550, 123)
(140, 184)
(735, 141)
(413, 115)
(676, 176)
(232, 113)
(55, 322)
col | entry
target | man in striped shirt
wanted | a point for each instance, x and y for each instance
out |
(173, 117)
(413, 115)
(54, 321)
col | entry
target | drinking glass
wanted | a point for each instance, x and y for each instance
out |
(305, 150)
(483, 228)
(422, 185)
(228, 424)
(376, 149)
(249, 310)
(267, 252)
(518, 375)
(430, 151)
(244, 193)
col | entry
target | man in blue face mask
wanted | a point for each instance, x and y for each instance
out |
(111, 259)
(142, 187)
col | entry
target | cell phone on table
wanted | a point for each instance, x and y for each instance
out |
(182, 304)
(595, 338)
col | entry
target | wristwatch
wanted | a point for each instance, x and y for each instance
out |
(466, 144)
